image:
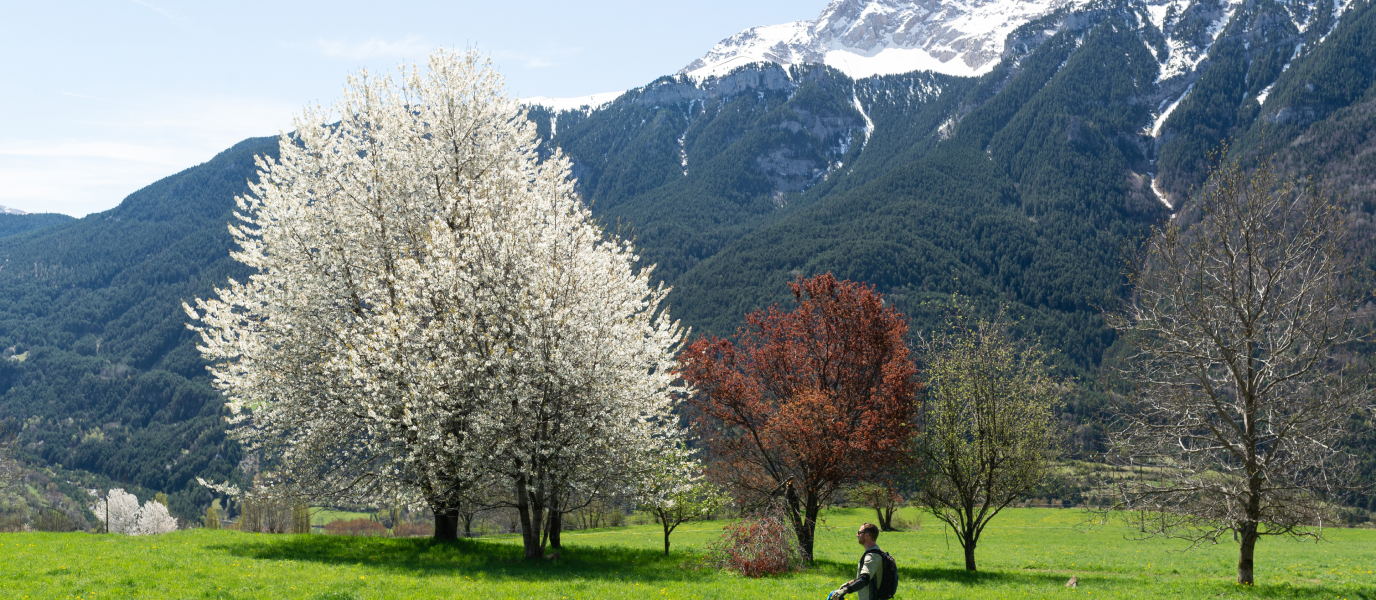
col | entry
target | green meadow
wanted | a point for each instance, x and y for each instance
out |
(1027, 553)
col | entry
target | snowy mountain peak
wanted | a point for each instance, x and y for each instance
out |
(880, 37)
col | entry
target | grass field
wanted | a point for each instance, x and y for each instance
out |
(1027, 553)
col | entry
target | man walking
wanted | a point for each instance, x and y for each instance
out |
(870, 572)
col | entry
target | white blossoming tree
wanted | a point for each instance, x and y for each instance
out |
(119, 512)
(154, 519)
(433, 305)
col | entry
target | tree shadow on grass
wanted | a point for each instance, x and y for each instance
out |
(1210, 588)
(422, 557)
(961, 576)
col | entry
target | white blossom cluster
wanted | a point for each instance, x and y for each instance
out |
(433, 306)
(126, 517)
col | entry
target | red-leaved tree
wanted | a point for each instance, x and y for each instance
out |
(806, 401)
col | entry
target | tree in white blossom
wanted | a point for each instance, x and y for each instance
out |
(432, 305)
(118, 512)
(154, 519)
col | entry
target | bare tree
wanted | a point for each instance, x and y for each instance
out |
(988, 424)
(1240, 305)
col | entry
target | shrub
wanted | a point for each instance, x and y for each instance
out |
(53, 520)
(11, 523)
(913, 524)
(413, 530)
(356, 527)
(760, 544)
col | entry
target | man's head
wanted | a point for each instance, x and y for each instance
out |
(867, 535)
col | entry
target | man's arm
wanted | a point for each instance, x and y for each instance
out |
(869, 568)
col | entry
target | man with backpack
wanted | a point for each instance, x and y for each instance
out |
(876, 578)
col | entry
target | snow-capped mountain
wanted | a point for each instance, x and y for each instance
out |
(583, 103)
(879, 37)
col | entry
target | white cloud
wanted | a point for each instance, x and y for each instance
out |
(411, 46)
(128, 146)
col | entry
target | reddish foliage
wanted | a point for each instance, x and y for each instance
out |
(821, 396)
(758, 545)
(413, 530)
(356, 527)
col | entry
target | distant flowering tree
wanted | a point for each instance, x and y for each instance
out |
(154, 519)
(433, 305)
(125, 516)
(118, 512)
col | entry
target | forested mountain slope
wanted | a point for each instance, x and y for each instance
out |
(1028, 196)
(690, 167)
(99, 367)
(12, 224)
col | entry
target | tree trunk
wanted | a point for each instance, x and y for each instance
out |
(968, 542)
(556, 526)
(468, 524)
(804, 516)
(885, 518)
(530, 507)
(813, 507)
(667, 531)
(446, 524)
(1245, 553)
(446, 518)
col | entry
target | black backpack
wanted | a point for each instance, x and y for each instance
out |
(885, 589)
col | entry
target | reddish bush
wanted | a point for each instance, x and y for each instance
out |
(413, 530)
(356, 527)
(760, 544)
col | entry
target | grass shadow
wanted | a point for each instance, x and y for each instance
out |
(935, 574)
(1212, 589)
(423, 557)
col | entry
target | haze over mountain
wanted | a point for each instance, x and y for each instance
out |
(1085, 124)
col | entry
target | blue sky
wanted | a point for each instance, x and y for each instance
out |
(104, 97)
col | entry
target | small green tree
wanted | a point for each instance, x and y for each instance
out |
(160, 498)
(678, 492)
(301, 518)
(212, 517)
(988, 424)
